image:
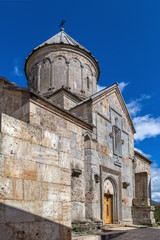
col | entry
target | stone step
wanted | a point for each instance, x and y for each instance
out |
(87, 237)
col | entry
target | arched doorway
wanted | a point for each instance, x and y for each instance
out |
(110, 201)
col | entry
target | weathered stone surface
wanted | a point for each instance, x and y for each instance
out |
(6, 188)
(18, 129)
(20, 168)
(18, 189)
(48, 173)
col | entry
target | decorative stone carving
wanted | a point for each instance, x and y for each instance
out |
(108, 187)
(126, 184)
(76, 172)
(97, 178)
(111, 135)
(134, 161)
(117, 141)
(141, 202)
(118, 161)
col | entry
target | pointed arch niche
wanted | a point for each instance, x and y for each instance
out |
(60, 72)
(45, 75)
(111, 186)
(75, 74)
(87, 79)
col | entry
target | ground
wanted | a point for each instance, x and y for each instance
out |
(126, 234)
(135, 234)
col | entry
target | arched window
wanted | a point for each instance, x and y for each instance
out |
(88, 82)
(45, 75)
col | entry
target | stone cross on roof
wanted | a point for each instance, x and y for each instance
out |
(62, 23)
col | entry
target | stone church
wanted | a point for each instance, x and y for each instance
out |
(67, 151)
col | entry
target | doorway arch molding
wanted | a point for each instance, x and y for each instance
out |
(114, 197)
(115, 177)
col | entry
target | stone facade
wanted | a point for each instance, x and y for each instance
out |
(64, 147)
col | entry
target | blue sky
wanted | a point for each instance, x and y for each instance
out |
(124, 36)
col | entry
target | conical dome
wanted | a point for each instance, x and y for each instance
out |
(61, 38)
(62, 62)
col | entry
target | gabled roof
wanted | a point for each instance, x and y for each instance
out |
(5, 81)
(142, 156)
(106, 91)
(59, 38)
(63, 89)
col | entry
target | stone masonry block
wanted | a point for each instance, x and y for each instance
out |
(50, 139)
(19, 129)
(32, 190)
(74, 128)
(18, 190)
(44, 209)
(20, 168)
(41, 154)
(65, 177)
(19, 211)
(65, 193)
(64, 160)
(64, 145)
(6, 188)
(48, 173)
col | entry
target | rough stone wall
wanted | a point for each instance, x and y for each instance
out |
(64, 100)
(11, 100)
(35, 186)
(60, 165)
(83, 111)
(142, 165)
(105, 111)
(142, 180)
(74, 156)
(65, 67)
(102, 159)
(69, 102)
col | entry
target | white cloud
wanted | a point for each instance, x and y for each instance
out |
(122, 86)
(99, 88)
(17, 70)
(140, 151)
(135, 106)
(155, 183)
(146, 127)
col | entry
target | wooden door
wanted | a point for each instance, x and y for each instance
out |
(108, 208)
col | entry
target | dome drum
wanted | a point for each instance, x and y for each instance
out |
(52, 66)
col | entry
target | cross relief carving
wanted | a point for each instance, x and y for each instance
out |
(117, 143)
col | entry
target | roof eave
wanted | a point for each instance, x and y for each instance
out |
(144, 157)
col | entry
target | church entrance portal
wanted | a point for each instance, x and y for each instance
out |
(108, 208)
(110, 201)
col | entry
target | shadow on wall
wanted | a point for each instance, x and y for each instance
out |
(16, 224)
